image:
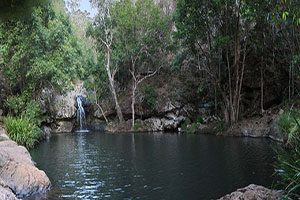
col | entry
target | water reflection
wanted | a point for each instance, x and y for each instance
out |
(151, 166)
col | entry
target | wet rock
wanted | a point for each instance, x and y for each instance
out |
(24, 179)
(63, 127)
(153, 124)
(46, 132)
(252, 192)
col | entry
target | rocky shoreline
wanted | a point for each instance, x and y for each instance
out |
(19, 178)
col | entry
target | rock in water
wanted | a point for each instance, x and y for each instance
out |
(252, 192)
(24, 179)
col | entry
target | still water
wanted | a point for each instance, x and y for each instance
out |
(154, 166)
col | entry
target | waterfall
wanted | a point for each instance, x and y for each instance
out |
(81, 115)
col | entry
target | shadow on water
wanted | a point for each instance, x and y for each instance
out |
(96, 165)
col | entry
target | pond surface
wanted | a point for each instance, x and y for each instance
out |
(155, 166)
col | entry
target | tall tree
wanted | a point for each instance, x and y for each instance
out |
(102, 30)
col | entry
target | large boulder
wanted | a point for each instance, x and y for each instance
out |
(24, 179)
(253, 192)
(10, 151)
(18, 175)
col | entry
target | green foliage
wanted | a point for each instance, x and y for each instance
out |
(193, 128)
(287, 168)
(150, 96)
(137, 125)
(15, 104)
(33, 112)
(221, 126)
(40, 52)
(199, 119)
(289, 125)
(22, 131)
(177, 62)
(19, 9)
(188, 126)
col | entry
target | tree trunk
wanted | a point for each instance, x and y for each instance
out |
(261, 87)
(112, 87)
(133, 102)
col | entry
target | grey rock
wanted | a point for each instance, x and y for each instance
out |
(1, 112)
(265, 126)
(171, 122)
(153, 124)
(46, 132)
(170, 106)
(61, 106)
(6, 193)
(63, 127)
(18, 175)
(24, 179)
(252, 192)
(10, 151)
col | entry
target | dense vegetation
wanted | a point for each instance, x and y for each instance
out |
(288, 164)
(37, 52)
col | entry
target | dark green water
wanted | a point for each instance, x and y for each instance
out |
(152, 166)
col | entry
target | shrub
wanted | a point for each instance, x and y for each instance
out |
(220, 126)
(22, 131)
(187, 121)
(287, 168)
(289, 125)
(137, 125)
(150, 96)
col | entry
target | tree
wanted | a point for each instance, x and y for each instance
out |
(142, 37)
(215, 38)
(102, 31)
(51, 63)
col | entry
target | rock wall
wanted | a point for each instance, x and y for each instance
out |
(19, 177)
(60, 110)
(260, 126)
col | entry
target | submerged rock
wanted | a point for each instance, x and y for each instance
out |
(252, 192)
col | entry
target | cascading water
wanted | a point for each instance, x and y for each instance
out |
(81, 116)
